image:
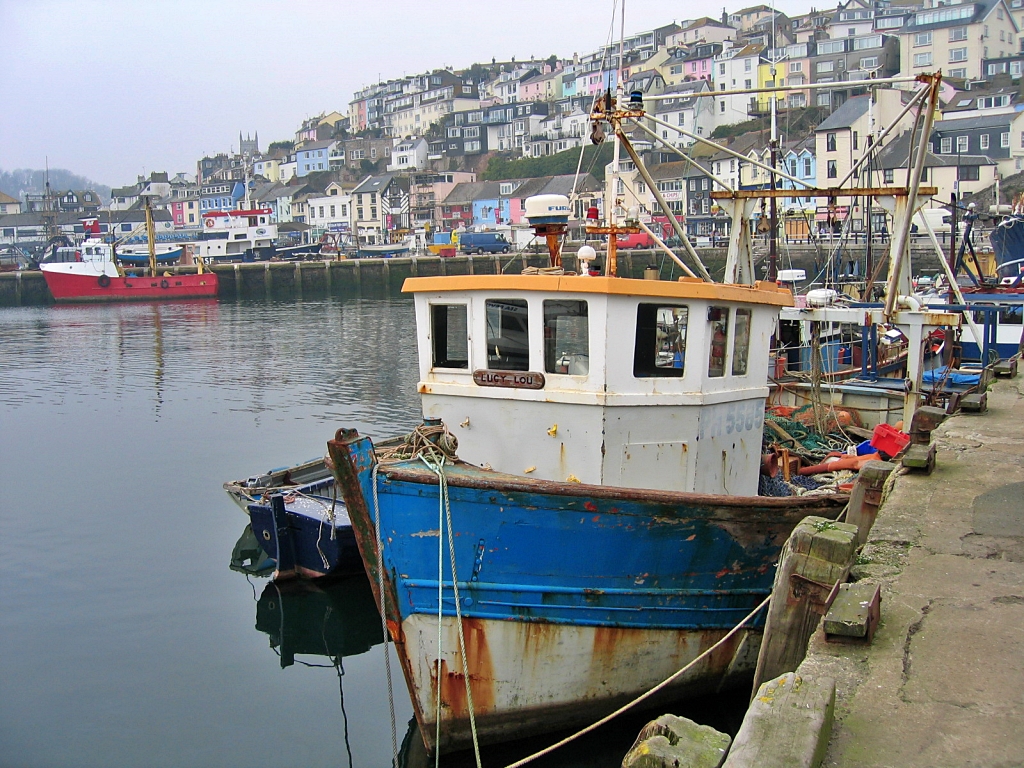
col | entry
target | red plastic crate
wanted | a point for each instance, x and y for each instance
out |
(889, 440)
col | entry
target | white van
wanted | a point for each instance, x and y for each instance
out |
(939, 218)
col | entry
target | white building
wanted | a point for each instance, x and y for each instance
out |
(408, 154)
(735, 68)
(330, 212)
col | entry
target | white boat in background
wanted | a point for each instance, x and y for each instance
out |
(244, 234)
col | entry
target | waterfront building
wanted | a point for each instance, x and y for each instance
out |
(381, 206)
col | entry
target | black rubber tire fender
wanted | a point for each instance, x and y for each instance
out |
(103, 281)
(164, 284)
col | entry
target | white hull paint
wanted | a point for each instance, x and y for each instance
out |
(536, 677)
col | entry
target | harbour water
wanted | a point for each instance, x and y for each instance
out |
(125, 637)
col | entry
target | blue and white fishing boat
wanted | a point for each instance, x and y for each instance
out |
(581, 519)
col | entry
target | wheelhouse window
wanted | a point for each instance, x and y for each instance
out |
(566, 338)
(718, 319)
(449, 336)
(741, 344)
(660, 348)
(508, 337)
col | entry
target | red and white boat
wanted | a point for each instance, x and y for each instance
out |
(90, 272)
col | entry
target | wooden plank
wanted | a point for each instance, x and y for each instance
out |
(818, 554)
(788, 725)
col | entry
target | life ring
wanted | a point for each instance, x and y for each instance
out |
(209, 223)
(164, 284)
(103, 281)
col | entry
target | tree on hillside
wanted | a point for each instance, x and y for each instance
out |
(287, 146)
(22, 181)
(594, 160)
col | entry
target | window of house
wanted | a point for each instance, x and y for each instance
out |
(1004, 139)
(746, 65)
(566, 338)
(830, 142)
(795, 66)
(855, 140)
(869, 62)
(807, 166)
(449, 336)
(984, 141)
(741, 344)
(961, 144)
(968, 173)
(660, 347)
(960, 73)
(825, 66)
(833, 171)
(946, 145)
(718, 320)
(922, 59)
(721, 104)
(888, 175)
(957, 33)
(958, 54)
(508, 342)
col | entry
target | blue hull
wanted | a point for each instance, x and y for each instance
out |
(632, 570)
(300, 537)
(142, 259)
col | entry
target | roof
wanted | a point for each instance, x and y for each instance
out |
(705, 21)
(316, 145)
(982, 8)
(132, 216)
(844, 117)
(967, 123)
(469, 191)
(673, 170)
(374, 183)
(5, 198)
(894, 155)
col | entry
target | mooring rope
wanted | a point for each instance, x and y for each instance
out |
(383, 614)
(444, 509)
(641, 697)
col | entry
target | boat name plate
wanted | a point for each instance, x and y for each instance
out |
(511, 379)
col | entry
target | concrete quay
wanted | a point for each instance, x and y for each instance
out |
(942, 683)
(296, 280)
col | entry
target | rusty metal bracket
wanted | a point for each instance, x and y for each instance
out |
(819, 596)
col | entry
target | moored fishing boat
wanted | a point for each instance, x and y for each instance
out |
(92, 274)
(604, 524)
(595, 527)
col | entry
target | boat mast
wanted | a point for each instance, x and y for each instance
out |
(773, 237)
(611, 203)
(150, 235)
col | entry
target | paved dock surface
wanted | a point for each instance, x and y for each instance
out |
(943, 682)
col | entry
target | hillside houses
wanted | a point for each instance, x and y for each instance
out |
(412, 152)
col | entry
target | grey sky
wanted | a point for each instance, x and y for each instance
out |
(112, 88)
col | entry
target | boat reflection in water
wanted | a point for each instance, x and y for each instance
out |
(336, 619)
(248, 556)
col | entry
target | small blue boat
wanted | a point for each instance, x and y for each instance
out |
(142, 259)
(306, 535)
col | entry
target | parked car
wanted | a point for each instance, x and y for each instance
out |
(484, 242)
(636, 240)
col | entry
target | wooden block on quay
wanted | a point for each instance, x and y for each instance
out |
(976, 402)
(854, 614)
(673, 741)
(788, 724)
(1007, 368)
(920, 458)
